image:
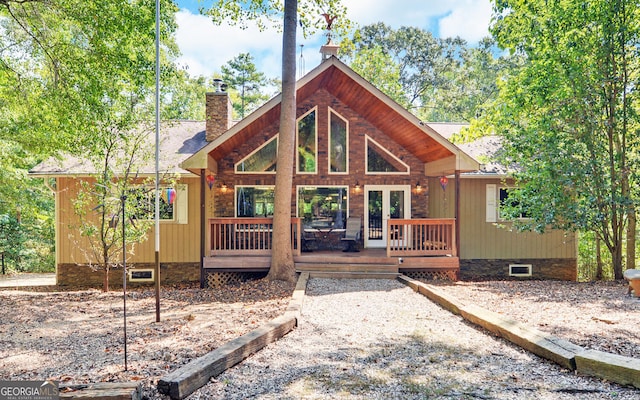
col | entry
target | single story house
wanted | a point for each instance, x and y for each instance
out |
(423, 204)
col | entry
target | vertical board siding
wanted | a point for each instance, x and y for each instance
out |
(488, 240)
(178, 242)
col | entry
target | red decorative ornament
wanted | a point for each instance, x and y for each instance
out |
(210, 180)
(443, 182)
(171, 195)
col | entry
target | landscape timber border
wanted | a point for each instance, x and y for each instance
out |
(185, 380)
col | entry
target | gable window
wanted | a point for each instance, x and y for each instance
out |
(381, 161)
(254, 201)
(307, 143)
(338, 143)
(323, 207)
(261, 160)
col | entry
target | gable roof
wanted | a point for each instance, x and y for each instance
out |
(484, 149)
(178, 141)
(362, 97)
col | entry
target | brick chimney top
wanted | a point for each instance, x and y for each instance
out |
(218, 110)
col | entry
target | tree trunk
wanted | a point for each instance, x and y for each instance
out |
(282, 266)
(631, 238)
(598, 259)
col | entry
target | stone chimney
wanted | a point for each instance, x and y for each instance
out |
(218, 111)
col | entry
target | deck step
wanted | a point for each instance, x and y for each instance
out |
(347, 267)
(353, 275)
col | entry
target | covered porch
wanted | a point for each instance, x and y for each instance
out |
(423, 248)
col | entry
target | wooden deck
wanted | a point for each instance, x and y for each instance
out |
(366, 261)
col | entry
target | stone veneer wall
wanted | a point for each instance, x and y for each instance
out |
(556, 268)
(75, 275)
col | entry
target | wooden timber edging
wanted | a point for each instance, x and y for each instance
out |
(102, 391)
(612, 367)
(185, 380)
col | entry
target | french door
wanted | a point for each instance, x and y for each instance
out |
(384, 202)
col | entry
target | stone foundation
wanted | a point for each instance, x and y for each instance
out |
(83, 276)
(564, 269)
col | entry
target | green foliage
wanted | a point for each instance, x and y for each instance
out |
(246, 84)
(269, 13)
(72, 74)
(183, 97)
(569, 117)
(438, 79)
(378, 67)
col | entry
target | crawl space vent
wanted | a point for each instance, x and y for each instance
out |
(519, 269)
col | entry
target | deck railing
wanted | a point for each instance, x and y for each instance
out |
(247, 236)
(421, 237)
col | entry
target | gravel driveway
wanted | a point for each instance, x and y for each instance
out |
(377, 339)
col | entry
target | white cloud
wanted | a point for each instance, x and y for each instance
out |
(206, 47)
(469, 19)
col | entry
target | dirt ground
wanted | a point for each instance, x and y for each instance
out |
(78, 336)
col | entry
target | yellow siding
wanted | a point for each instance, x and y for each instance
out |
(485, 240)
(178, 242)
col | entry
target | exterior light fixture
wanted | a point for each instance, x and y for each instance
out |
(224, 187)
(418, 187)
(357, 187)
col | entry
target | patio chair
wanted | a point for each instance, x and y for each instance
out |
(308, 240)
(352, 234)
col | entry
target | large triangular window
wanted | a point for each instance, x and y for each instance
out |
(338, 143)
(307, 143)
(262, 160)
(382, 161)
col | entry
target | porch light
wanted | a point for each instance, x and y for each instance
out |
(224, 187)
(210, 178)
(357, 187)
(418, 187)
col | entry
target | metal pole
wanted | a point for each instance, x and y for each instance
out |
(124, 279)
(157, 205)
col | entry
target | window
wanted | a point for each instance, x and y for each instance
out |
(497, 198)
(145, 201)
(323, 207)
(254, 201)
(505, 201)
(262, 160)
(307, 143)
(381, 161)
(338, 143)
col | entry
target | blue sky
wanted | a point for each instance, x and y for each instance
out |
(206, 47)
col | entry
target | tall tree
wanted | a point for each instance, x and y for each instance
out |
(282, 267)
(281, 254)
(70, 71)
(246, 82)
(441, 79)
(570, 116)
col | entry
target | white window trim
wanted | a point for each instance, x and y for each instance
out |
(257, 149)
(315, 172)
(346, 172)
(366, 159)
(235, 195)
(298, 187)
